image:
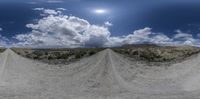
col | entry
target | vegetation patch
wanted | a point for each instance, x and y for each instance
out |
(154, 53)
(2, 50)
(57, 56)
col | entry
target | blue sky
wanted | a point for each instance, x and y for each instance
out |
(177, 20)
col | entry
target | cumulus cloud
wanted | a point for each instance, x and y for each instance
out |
(58, 30)
(140, 36)
(1, 29)
(64, 31)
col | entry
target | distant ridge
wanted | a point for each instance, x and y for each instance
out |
(146, 45)
(139, 45)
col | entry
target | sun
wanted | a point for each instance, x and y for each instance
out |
(100, 11)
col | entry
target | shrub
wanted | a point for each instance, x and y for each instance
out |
(77, 56)
(63, 56)
(91, 53)
(46, 53)
(28, 55)
(38, 53)
(50, 57)
(36, 57)
(135, 53)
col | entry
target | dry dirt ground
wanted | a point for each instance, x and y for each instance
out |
(105, 75)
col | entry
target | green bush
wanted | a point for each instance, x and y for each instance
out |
(36, 57)
(77, 56)
(38, 53)
(91, 53)
(50, 57)
(80, 54)
(63, 56)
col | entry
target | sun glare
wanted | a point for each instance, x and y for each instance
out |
(100, 11)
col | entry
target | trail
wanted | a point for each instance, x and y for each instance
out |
(3, 65)
(105, 75)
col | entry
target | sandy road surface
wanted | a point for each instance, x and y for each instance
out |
(106, 75)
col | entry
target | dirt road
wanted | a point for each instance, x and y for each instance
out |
(106, 75)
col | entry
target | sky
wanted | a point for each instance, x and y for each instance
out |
(98, 23)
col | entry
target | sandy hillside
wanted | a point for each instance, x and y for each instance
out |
(105, 75)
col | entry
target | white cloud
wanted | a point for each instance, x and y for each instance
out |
(161, 39)
(51, 12)
(31, 2)
(186, 39)
(62, 9)
(140, 36)
(60, 1)
(182, 36)
(58, 30)
(55, 1)
(96, 36)
(107, 23)
(3, 41)
(47, 11)
(39, 9)
(64, 31)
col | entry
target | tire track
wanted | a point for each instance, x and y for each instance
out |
(117, 76)
(92, 67)
(3, 66)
